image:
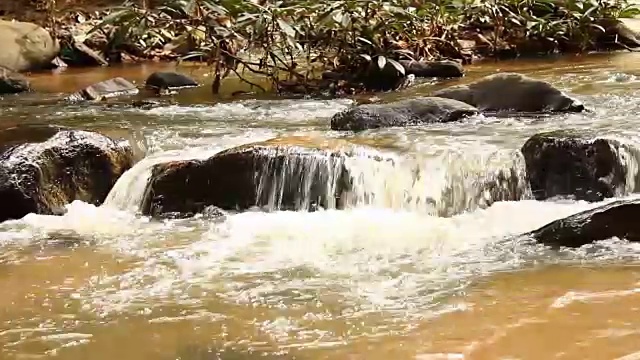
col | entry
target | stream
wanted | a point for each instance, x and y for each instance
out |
(418, 266)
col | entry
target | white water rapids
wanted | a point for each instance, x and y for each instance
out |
(420, 223)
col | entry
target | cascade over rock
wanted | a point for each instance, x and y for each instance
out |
(279, 174)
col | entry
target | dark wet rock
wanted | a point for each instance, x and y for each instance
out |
(568, 164)
(418, 111)
(277, 174)
(12, 82)
(436, 69)
(145, 104)
(512, 92)
(71, 165)
(617, 219)
(26, 46)
(105, 90)
(169, 80)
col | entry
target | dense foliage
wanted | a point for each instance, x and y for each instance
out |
(294, 38)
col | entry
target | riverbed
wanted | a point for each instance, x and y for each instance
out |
(417, 267)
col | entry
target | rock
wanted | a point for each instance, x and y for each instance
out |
(169, 80)
(512, 92)
(277, 174)
(71, 165)
(418, 111)
(13, 83)
(567, 164)
(26, 46)
(437, 69)
(616, 219)
(105, 90)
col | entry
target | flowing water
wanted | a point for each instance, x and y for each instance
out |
(420, 264)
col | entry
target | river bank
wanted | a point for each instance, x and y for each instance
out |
(357, 43)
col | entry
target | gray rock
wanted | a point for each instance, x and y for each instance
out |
(105, 90)
(512, 92)
(26, 46)
(169, 80)
(568, 164)
(43, 177)
(12, 82)
(617, 219)
(418, 111)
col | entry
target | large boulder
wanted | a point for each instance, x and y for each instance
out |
(512, 92)
(105, 90)
(169, 80)
(418, 111)
(12, 82)
(277, 174)
(70, 165)
(563, 163)
(617, 219)
(26, 46)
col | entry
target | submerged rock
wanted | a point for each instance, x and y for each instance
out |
(278, 174)
(567, 164)
(436, 69)
(105, 90)
(418, 111)
(71, 165)
(169, 80)
(617, 219)
(26, 46)
(512, 92)
(12, 82)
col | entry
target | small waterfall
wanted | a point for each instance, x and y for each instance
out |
(444, 185)
(302, 178)
(297, 176)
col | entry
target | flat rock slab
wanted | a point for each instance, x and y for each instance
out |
(105, 90)
(418, 111)
(512, 92)
(617, 219)
(568, 164)
(43, 177)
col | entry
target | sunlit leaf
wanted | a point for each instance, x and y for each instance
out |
(396, 65)
(382, 61)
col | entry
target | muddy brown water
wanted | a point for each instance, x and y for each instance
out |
(386, 278)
